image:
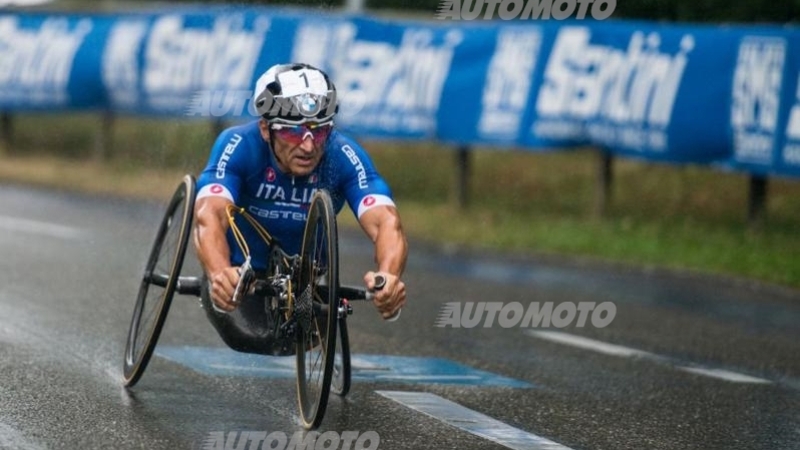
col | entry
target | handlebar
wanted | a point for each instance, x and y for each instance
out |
(246, 275)
(380, 282)
(353, 293)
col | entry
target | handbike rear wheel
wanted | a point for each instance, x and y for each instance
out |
(316, 310)
(159, 281)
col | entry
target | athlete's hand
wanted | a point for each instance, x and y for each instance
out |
(223, 284)
(391, 297)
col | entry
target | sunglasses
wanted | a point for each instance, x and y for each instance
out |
(296, 134)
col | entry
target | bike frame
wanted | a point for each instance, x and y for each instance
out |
(303, 317)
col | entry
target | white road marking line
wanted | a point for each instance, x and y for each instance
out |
(433, 377)
(288, 369)
(17, 224)
(11, 438)
(726, 375)
(618, 350)
(471, 421)
(589, 344)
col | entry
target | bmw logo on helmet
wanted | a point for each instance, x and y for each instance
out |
(307, 104)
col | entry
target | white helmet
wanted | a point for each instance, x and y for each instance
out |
(294, 94)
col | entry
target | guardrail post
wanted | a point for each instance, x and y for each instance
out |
(6, 132)
(463, 170)
(757, 198)
(605, 176)
(104, 139)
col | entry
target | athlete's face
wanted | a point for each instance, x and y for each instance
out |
(298, 150)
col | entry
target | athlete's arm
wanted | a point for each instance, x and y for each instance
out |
(382, 225)
(211, 224)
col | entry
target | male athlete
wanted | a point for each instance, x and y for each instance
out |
(271, 167)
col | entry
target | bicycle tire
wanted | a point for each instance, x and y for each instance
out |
(342, 370)
(320, 235)
(145, 329)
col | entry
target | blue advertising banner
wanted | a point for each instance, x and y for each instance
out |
(633, 90)
(764, 122)
(390, 75)
(194, 65)
(679, 93)
(49, 63)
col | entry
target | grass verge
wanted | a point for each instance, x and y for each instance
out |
(683, 217)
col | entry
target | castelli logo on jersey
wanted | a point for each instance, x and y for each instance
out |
(216, 188)
(369, 201)
(313, 178)
(271, 174)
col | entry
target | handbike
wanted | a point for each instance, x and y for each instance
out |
(301, 293)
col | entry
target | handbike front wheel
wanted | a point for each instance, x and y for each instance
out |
(340, 384)
(316, 309)
(159, 281)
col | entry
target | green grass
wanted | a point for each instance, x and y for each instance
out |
(684, 217)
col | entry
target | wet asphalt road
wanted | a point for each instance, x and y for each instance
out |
(69, 271)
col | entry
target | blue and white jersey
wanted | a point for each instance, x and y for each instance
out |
(243, 169)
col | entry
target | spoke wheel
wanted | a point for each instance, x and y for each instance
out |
(159, 281)
(316, 308)
(340, 384)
